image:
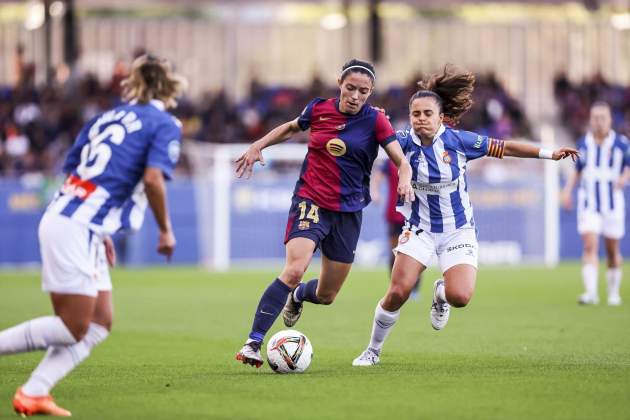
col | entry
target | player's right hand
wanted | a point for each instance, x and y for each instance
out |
(166, 244)
(245, 164)
(565, 200)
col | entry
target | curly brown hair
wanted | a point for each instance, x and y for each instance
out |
(151, 78)
(452, 90)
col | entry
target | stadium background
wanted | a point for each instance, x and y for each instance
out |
(252, 65)
(522, 349)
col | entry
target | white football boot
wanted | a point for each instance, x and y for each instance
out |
(368, 358)
(292, 311)
(614, 300)
(440, 311)
(587, 299)
(250, 354)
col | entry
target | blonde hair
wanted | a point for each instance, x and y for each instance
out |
(151, 78)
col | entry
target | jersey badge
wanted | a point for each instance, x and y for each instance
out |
(446, 158)
(174, 149)
(336, 147)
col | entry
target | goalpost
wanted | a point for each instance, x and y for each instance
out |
(241, 222)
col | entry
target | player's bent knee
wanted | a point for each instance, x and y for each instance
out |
(78, 329)
(292, 276)
(459, 299)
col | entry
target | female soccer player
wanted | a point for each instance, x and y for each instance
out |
(440, 221)
(329, 196)
(603, 170)
(130, 147)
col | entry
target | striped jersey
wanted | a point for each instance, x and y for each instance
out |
(439, 178)
(105, 166)
(341, 151)
(600, 166)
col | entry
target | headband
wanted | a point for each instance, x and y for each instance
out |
(359, 67)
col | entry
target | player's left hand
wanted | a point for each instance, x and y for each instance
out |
(110, 251)
(405, 191)
(565, 152)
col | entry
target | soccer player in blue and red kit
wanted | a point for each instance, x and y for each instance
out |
(440, 223)
(329, 196)
(117, 164)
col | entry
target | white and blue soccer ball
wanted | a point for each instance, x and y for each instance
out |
(289, 351)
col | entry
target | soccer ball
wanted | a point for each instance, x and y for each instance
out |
(289, 351)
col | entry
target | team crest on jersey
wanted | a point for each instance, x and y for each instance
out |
(404, 238)
(336, 147)
(446, 158)
(174, 150)
(304, 225)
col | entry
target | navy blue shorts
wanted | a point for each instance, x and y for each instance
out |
(335, 232)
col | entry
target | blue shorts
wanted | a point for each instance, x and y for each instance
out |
(335, 232)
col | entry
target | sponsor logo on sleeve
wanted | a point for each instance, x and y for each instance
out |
(174, 149)
(478, 143)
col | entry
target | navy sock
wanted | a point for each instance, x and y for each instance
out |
(269, 307)
(307, 292)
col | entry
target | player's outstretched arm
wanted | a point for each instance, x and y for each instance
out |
(245, 163)
(395, 153)
(155, 189)
(526, 150)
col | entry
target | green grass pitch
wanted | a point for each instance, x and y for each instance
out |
(523, 349)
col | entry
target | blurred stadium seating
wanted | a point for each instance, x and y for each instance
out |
(537, 65)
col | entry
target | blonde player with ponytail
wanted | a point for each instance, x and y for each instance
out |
(118, 163)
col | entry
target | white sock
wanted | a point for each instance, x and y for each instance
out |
(60, 360)
(36, 334)
(613, 276)
(441, 292)
(293, 292)
(383, 322)
(589, 277)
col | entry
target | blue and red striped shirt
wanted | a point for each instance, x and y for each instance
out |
(341, 151)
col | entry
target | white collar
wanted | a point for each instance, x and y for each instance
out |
(610, 138)
(158, 104)
(155, 102)
(417, 140)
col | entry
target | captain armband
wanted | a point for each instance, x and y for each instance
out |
(496, 148)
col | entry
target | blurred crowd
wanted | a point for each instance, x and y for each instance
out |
(39, 123)
(575, 99)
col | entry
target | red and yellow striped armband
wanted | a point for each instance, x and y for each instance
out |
(496, 148)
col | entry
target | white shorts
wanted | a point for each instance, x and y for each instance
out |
(73, 258)
(609, 225)
(451, 248)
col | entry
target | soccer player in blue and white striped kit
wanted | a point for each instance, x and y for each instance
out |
(602, 171)
(116, 166)
(440, 222)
